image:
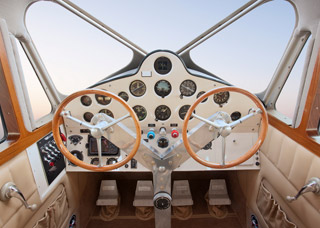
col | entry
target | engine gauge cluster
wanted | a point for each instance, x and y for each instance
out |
(103, 100)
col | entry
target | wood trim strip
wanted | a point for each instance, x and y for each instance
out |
(11, 88)
(26, 138)
(300, 134)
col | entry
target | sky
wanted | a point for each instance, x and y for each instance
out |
(245, 54)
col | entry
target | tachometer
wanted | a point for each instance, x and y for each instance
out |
(162, 88)
(162, 112)
(188, 88)
(221, 98)
(140, 111)
(137, 88)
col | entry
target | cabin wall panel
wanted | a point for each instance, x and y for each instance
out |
(284, 174)
(13, 213)
(288, 150)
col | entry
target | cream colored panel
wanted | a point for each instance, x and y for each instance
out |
(300, 167)
(18, 171)
(12, 213)
(275, 146)
(288, 149)
(284, 174)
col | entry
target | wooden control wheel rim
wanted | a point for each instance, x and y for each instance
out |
(248, 154)
(57, 120)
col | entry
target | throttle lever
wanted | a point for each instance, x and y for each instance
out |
(313, 185)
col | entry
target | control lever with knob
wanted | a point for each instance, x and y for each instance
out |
(313, 185)
(10, 190)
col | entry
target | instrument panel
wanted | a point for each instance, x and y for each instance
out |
(161, 92)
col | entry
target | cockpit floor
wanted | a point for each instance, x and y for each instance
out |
(200, 217)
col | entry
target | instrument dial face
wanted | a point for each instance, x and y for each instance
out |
(86, 100)
(138, 88)
(188, 88)
(221, 98)
(103, 100)
(162, 65)
(183, 111)
(107, 111)
(78, 155)
(140, 111)
(162, 88)
(162, 112)
(199, 94)
(162, 203)
(235, 116)
(208, 146)
(124, 96)
(87, 116)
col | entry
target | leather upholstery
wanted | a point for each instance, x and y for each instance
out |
(13, 213)
(285, 167)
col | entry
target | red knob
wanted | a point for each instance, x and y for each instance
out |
(63, 137)
(51, 164)
(175, 134)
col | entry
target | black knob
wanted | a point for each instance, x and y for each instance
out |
(163, 142)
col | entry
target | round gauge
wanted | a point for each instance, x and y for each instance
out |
(162, 88)
(162, 65)
(86, 100)
(78, 155)
(208, 146)
(199, 94)
(94, 161)
(87, 116)
(140, 111)
(104, 100)
(162, 201)
(107, 111)
(124, 96)
(220, 98)
(188, 88)
(137, 88)
(235, 116)
(162, 112)
(183, 111)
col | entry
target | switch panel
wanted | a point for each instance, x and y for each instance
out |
(52, 159)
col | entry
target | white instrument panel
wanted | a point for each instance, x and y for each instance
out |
(159, 92)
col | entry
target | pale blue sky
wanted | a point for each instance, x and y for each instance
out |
(246, 54)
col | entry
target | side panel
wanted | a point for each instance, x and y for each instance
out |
(285, 167)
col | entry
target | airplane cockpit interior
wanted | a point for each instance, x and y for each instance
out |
(159, 114)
